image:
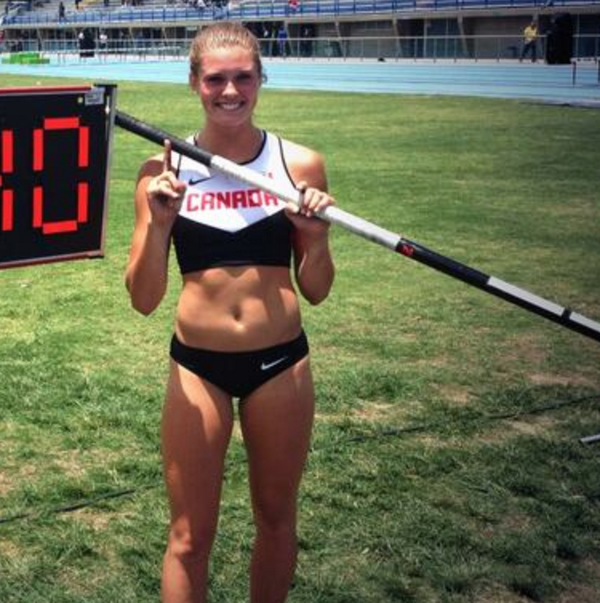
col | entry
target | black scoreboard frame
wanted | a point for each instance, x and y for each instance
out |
(55, 152)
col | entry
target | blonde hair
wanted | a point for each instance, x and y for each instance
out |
(225, 34)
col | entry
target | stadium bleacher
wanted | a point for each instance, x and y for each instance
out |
(387, 27)
(92, 12)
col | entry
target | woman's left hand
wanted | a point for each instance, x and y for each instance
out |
(312, 201)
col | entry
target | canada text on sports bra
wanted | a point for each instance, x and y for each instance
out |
(230, 209)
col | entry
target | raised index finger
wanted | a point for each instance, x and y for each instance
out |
(167, 166)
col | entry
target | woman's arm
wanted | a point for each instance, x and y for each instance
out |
(158, 198)
(313, 263)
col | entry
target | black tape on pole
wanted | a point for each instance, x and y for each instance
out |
(501, 289)
(367, 230)
(154, 134)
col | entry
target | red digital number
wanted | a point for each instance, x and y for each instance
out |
(7, 144)
(83, 156)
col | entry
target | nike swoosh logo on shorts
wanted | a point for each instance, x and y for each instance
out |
(265, 366)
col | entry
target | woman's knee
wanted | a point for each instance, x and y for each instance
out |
(191, 546)
(275, 516)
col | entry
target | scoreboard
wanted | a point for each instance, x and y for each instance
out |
(55, 147)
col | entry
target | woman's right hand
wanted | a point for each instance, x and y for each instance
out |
(158, 198)
(165, 192)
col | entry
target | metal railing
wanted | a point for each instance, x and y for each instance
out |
(488, 47)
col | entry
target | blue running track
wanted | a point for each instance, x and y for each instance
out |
(548, 83)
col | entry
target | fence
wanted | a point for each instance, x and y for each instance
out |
(358, 48)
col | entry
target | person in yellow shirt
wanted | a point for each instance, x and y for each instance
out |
(530, 35)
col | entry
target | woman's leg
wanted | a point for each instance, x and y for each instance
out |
(276, 423)
(196, 429)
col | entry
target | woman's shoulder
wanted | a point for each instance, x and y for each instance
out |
(303, 161)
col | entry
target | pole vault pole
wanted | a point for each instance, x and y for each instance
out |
(410, 249)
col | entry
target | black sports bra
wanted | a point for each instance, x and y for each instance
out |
(224, 222)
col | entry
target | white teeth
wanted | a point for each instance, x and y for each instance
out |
(230, 106)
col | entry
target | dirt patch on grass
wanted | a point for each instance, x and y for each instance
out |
(552, 379)
(14, 476)
(5, 485)
(515, 522)
(69, 463)
(581, 594)
(99, 521)
(454, 393)
(584, 593)
(499, 595)
(510, 522)
(373, 412)
(533, 426)
(503, 430)
(526, 348)
(9, 549)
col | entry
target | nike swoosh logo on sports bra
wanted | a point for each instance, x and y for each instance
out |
(265, 366)
(194, 182)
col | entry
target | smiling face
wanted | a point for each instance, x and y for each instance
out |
(227, 81)
(226, 72)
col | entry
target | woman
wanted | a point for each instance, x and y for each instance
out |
(238, 330)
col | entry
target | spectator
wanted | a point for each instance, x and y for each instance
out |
(282, 37)
(306, 43)
(530, 35)
(103, 43)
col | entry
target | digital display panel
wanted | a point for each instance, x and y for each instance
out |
(54, 162)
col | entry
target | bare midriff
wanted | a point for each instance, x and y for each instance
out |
(238, 308)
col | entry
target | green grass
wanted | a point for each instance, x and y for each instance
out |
(445, 464)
